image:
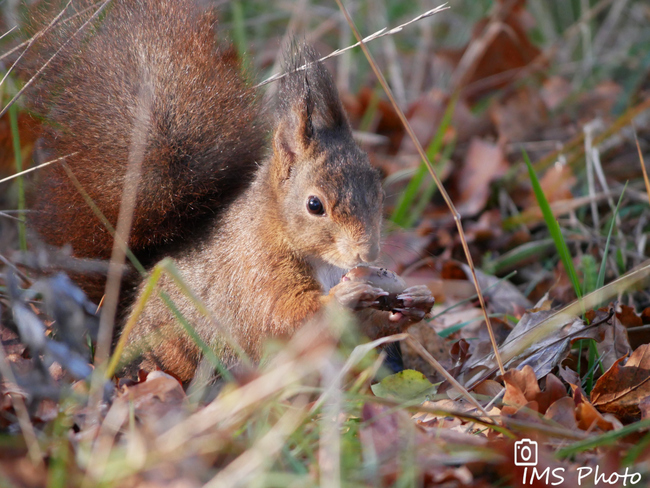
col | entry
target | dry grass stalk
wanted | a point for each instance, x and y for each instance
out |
(441, 188)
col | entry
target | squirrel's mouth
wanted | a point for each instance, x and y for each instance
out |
(357, 252)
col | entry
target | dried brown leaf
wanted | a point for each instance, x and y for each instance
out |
(554, 391)
(556, 184)
(562, 411)
(555, 90)
(622, 388)
(612, 342)
(484, 162)
(158, 397)
(589, 418)
(489, 388)
(520, 117)
(628, 317)
(513, 399)
(525, 381)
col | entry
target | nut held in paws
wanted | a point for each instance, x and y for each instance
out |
(380, 278)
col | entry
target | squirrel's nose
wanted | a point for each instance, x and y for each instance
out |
(370, 253)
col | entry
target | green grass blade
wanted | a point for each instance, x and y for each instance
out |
(401, 210)
(401, 213)
(238, 31)
(589, 271)
(603, 265)
(456, 327)
(427, 194)
(208, 352)
(18, 157)
(593, 363)
(517, 257)
(371, 110)
(607, 439)
(554, 228)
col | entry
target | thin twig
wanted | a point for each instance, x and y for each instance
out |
(140, 128)
(441, 188)
(574, 145)
(38, 35)
(42, 165)
(426, 355)
(46, 64)
(141, 122)
(28, 41)
(10, 217)
(15, 269)
(8, 32)
(380, 33)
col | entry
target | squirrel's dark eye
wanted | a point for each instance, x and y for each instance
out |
(315, 206)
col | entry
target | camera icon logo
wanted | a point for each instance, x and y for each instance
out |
(526, 453)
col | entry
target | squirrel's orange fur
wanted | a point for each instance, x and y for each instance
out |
(262, 241)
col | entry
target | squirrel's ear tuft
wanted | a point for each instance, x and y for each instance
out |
(308, 102)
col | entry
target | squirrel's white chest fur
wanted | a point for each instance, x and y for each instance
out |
(327, 274)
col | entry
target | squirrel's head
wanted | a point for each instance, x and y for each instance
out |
(330, 195)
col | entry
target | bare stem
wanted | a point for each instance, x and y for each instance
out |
(441, 188)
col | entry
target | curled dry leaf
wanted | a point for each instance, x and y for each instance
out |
(622, 388)
(529, 343)
(522, 388)
(562, 411)
(628, 317)
(633, 324)
(489, 388)
(157, 397)
(499, 47)
(542, 339)
(612, 341)
(523, 397)
(586, 415)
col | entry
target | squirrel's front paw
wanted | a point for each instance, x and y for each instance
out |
(357, 296)
(417, 301)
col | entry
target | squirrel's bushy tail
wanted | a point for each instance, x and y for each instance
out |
(204, 133)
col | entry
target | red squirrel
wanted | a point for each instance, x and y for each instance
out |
(262, 225)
